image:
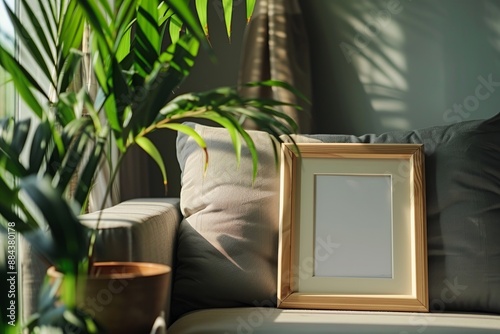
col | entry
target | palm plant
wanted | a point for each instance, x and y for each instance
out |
(140, 52)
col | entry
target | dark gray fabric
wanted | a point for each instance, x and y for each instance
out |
(462, 169)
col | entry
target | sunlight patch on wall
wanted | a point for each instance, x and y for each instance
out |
(381, 65)
(391, 111)
(389, 105)
(379, 69)
(395, 122)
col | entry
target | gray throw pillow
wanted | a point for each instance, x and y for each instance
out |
(227, 246)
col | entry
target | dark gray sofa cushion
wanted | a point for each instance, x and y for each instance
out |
(462, 170)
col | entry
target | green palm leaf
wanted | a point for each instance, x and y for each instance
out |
(12, 140)
(147, 23)
(181, 8)
(80, 132)
(227, 6)
(202, 10)
(186, 130)
(88, 172)
(174, 65)
(231, 126)
(280, 84)
(97, 20)
(7, 202)
(148, 147)
(250, 9)
(39, 146)
(71, 34)
(68, 69)
(23, 81)
(49, 31)
(28, 42)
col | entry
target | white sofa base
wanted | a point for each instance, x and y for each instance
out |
(259, 320)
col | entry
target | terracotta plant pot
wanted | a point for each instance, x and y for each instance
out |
(124, 297)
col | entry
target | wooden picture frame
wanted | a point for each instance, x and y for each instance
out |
(352, 227)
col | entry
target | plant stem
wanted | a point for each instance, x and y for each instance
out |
(155, 126)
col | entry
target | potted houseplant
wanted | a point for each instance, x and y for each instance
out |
(140, 51)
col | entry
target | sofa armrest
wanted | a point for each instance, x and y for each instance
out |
(142, 230)
(138, 230)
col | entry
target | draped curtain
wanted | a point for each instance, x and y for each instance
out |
(276, 47)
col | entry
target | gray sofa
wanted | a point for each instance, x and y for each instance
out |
(224, 282)
(145, 230)
(221, 238)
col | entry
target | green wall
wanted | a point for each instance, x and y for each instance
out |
(380, 65)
